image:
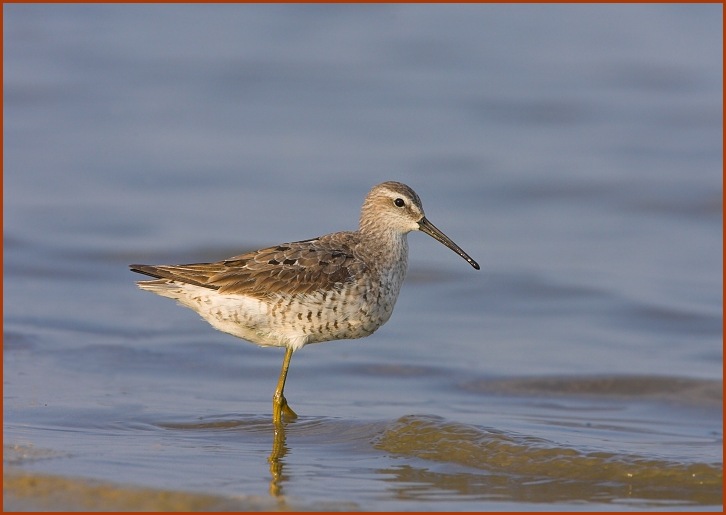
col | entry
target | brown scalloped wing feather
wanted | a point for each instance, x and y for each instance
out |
(302, 267)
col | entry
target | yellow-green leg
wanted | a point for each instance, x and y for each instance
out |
(279, 403)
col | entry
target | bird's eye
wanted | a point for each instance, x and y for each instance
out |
(399, 202)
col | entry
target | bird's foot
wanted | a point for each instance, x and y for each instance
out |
(280, 409)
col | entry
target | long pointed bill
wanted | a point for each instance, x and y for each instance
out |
(432, 231)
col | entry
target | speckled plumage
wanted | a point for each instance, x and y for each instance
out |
(338, 286)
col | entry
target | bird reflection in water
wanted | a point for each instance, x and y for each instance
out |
(279, 449)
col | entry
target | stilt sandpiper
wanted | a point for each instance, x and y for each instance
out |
(338, 286)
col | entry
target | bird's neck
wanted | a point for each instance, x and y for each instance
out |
(385, 245)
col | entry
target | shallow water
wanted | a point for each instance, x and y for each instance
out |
(574, 151)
